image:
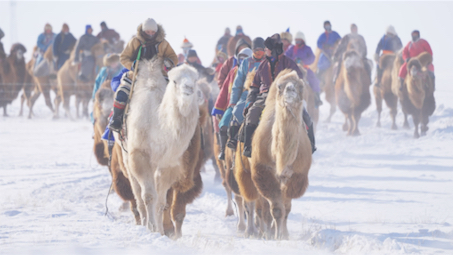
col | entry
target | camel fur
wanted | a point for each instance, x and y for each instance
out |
(385, 90)
(352, 89)
(281, 154)
(309, 98)
(417, 94)
(161, 123)
(68, 83)
(13, 76)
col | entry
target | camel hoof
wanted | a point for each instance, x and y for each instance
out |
(416, 136)
(229, 212)
(241, 227)
(406, 126)
(394, 127)
(423, 133)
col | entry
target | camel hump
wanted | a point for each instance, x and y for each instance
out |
(425, 58)
(249, 79)
(386, 61)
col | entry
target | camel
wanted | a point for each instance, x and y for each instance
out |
(417, 94)
(326, 82)
(44, 84)
(161, 124)
(385, 90)
(309, 97)
(281, 155)
(13, 76)
(352, 89)
(69, 84)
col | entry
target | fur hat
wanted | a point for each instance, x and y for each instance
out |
(47, 27)
(110, 59)
(258, 43)
(103, 24)
(240, 43)
(227, 30)
(1, 34)
(391, 30)
(149, 24)
(274, 43)
(186, 44)
(300, 35)
(65, 26)
(287, 36)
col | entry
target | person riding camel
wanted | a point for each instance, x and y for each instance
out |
(44, 41)
(186, 46)
(231, 62)
(150, 39)
(390, 43)
(287, 39)
(222, 43)
(412, 50)
(2, 50)
(232, 42)
(221, 111)
(238, 94)
(193, 60)
(220, 59)
(108, 34)
(63, 44)
(272, 65)
(85, 43)
(302, 54)
(326, 43)
(342, 47)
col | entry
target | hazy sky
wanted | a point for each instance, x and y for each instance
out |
(204, 22)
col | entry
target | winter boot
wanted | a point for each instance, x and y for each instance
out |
(222, 142)
(116, 123)
(249, 130)
(233, 142)
(311, 136)
(318, 101)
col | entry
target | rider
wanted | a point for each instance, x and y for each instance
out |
(232, 42)
(302, 54)
(221, 112)
(231, 62)
(238, 94)
(62, 46)
(2, 50)
(287, 39)
(192, 59)
(390, 43)
(268, 70)
(44, 41)
(412, 50)
(108, 34)
(343, 46)
(150, 38)
(222, 43)
(326, 43)
(85, 43)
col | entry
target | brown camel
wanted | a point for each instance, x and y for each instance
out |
(223, 174)
(396, 85)
(326, 82)
(13, 76)
(385, 90)
(44, 84)
(281, 155)
(69, 84)
(417, 94)
(352, 89)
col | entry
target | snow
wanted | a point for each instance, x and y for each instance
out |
(381, 193)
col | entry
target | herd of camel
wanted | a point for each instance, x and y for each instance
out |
(156, 162)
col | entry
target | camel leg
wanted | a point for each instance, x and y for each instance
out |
(356, 118)
(424, 124)
(393, 115)
(141, 168)
(66, 100)
(5, 114)
(229, 210)
(46, 94)
(134, 210)
(22, 100)
(77, 104)
(164, 180)
(241, 215)
(406, 123)
(217, 177)
(32, 100)
(269, 187)
(140, 204)
(169, 229)
(416, 119)
(351, 125)
(345, 124)
(285, 233)
(378, 96)
(250, 210)
(57, 102)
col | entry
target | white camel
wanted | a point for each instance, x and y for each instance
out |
(161, 122)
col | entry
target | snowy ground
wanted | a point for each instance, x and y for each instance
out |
(380, 193)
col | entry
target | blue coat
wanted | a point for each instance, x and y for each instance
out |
(389, 43)
(103, 75)
(117, 79)
(326, 41)
(44, 41)
(62, 43)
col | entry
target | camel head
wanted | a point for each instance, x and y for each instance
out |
(183, 86)
(18, 51)
(289, 90)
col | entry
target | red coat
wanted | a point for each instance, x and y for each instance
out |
(413, 49)
(223, 98)
(225, 70)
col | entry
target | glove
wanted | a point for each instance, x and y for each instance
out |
(246, 109)
(133, 65)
